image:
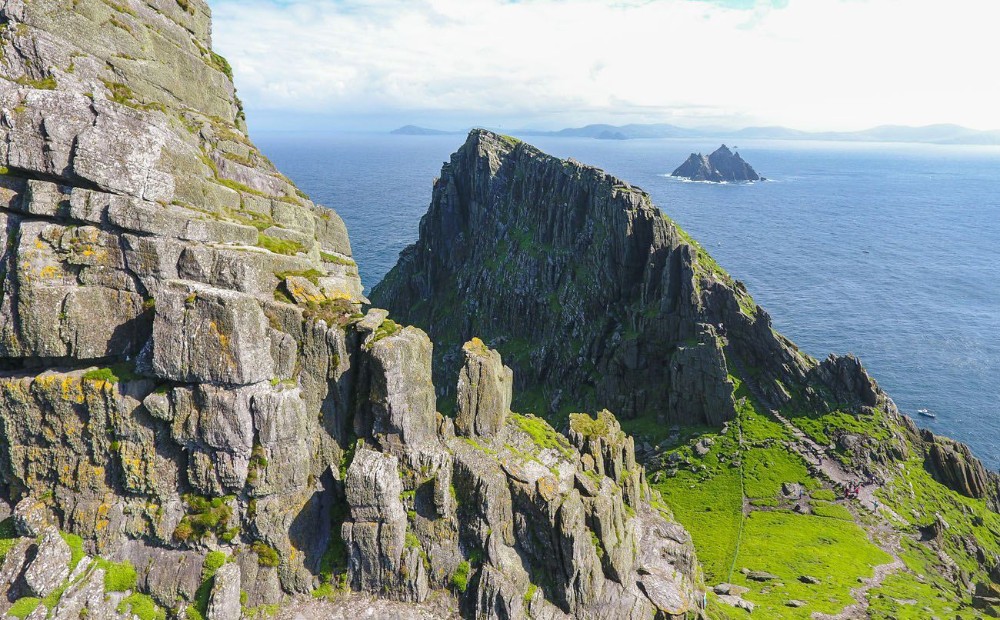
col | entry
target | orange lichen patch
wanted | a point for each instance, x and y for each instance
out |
(72, 389)
(475, 346)
(49, 271)
(221, 337)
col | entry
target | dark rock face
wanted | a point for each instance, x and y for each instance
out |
(595, 298)
(953, 465)
(721, 166)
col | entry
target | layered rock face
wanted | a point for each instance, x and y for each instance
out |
(188, 385)
(722, 166)
(592, 294)
(597, 299)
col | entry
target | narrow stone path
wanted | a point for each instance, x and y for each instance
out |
(883, 536)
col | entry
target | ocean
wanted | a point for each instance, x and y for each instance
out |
(888, 251)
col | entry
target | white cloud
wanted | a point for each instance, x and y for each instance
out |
(813, 64)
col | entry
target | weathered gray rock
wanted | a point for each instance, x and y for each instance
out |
(50, 566)
(397, 386)
(31, 517)
(376, 533)
(953, 464)
(485, 388)
(210, 335)
(224, 603)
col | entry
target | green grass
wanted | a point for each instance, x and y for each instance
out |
(279, 246)
(8, 536)
(831, 510)
(76, 549)
(101, 374)
(23, 607)
(386, 329)
(143, 606)
(333, 258)
(111, 374)
(821, 428)
(118, 576)
(460, 578)
(590, 427)
(790, 545)
(903, 596)
(313, 275)
(710, 506)
(542, 433)
(46, 83)
(765, 469)
(824, 494)
(917, 498)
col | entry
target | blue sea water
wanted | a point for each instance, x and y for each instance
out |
(888, 251)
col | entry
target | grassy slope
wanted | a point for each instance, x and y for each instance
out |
(731, 502)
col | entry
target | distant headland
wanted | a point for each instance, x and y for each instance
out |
(929, 134)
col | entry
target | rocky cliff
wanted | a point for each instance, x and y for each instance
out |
(197, 420)
(722, 166)
(597, 299)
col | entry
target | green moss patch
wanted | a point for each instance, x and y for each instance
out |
(279, 246)
(460, 578)
(206, 516)
(23, 607)
(266, 555)
(143, 606)
(118, 576)
(542, 433)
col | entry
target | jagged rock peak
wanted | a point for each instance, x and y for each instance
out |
(723, 165)
(600, 300)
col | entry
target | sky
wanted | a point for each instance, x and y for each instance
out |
(548, 64)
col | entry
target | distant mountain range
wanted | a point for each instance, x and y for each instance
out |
(929, 134)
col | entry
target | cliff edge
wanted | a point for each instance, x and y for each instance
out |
(197, 419)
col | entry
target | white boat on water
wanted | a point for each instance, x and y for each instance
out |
(926, 413)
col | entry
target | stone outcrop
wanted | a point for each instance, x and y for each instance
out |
(953, 465)
(722, 166)
(597, 300)
(192, 400)
(484, 391)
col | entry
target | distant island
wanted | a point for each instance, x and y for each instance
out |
(722, 166)
(929, 134)
(414, 130)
